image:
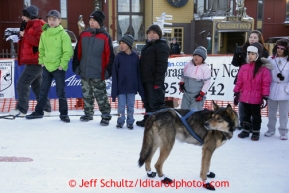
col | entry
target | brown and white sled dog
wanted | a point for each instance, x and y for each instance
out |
(214, 128)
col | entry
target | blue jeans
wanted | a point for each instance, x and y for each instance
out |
(126, 100)
(59, 76)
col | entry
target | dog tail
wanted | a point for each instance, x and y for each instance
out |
(148, 141)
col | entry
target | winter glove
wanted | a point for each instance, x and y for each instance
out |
(239, 49)
(236, 98)
(156, 87)
(265, 100)
(199, 96)
(182, 87)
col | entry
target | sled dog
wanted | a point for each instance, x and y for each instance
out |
(213, 127)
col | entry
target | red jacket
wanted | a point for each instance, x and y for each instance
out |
(28, 45)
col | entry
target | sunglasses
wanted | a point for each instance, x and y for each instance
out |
(280, 76)
(281, 47)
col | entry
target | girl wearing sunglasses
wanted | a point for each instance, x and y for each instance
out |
(279, 90)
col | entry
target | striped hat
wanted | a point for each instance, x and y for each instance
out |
(128, 39)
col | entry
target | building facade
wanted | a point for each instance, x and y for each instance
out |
(189, 19)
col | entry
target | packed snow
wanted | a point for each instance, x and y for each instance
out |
(47, 155)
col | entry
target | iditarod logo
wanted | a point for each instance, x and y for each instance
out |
(5, 75)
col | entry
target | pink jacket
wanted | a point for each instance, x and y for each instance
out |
(253, 89)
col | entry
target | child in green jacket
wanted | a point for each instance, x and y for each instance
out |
(55, 51)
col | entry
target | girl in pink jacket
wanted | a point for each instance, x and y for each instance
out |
(253, 86)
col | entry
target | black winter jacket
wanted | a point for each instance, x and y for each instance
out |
(154, 62)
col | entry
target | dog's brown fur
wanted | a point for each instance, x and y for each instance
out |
(163, 127)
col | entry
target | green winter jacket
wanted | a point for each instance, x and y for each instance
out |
(55, 48)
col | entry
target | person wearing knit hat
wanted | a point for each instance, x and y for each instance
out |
(253, 88)
(128, 39)
(31, 12)
(255, 48)
(126, 81)
(153, 68)
(28, 55)
(156, 29)
(279, 90)
(201, 51)
(92, 61)
(240, 58)
(195, 81)
(98, 16)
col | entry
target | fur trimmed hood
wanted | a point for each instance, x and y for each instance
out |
(266, 63)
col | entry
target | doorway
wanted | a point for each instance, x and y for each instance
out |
(229, 40)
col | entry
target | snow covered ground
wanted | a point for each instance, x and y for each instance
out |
(66, 155)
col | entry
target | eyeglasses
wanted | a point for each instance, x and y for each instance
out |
(280, 76)
(281, 47)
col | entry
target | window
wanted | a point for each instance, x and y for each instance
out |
(211, 7)
(260, 15)
(131, 19)
(176, 33)
(287, 13)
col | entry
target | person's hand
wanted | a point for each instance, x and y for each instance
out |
(182, 87)
(21, 33)
(59, 68)
(236, 98)
(264, 103)
(199, 96)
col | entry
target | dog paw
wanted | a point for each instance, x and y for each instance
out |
(152, 174)
(209, 186)
(167, 180)
(211, 175)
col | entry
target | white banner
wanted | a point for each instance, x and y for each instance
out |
(7, 79)
(222, 81)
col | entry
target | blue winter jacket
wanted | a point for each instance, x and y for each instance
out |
(126, 75)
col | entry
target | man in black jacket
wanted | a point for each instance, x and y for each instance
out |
(153, 67)
(175, 47)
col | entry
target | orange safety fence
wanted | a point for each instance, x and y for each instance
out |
(77, 104)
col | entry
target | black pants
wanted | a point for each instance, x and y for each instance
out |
(59, 76)
(253, 110)
(154, 98)
(31, 76)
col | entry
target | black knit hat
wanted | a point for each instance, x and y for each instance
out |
(128, 39)
(98, 16)
(31, 12)
(256, 48)
(155, 28)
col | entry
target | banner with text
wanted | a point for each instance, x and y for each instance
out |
(221, 88)
(223, 74)
(6, 79)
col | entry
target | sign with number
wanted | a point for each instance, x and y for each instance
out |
(223, 74)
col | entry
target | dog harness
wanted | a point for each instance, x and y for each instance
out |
(183, 119)
(190, 130)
